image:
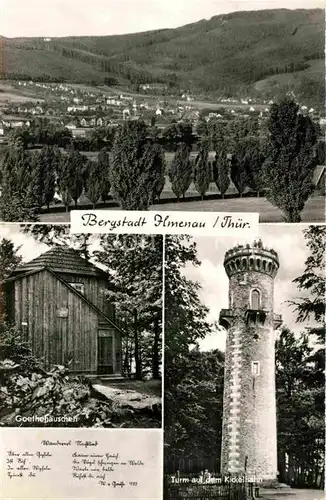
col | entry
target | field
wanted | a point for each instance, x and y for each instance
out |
(314, 210)
(9, 94)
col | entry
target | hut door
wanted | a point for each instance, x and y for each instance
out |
(105, 353)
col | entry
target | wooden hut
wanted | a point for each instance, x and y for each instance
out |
(58, 300)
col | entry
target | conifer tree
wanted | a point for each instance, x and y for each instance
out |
(94, 186)
(103, 160)
(180, 172)
(239, 174)
(63, 179)
(131, 171)
(71, 179)
(290, 160)
(48, 164)
(221, 172)
(36, 180)
(158, 171)
(17, 202)
(253, 160)
(202, 172)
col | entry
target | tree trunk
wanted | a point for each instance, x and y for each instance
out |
(67, 208)
(136, 342)
(281, 467)
(292, 216)
(156, 354)
(126, 359)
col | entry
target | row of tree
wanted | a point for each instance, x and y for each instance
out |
(134, 172)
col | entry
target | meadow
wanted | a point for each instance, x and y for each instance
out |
(314, 210)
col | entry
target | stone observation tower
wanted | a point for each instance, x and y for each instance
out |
(249, 405)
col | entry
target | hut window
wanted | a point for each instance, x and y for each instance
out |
(78, 286)
(255, 367)
(255, 300)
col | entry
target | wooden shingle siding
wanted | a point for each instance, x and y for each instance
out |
(52, 338)
(62, 322)
(94, 291)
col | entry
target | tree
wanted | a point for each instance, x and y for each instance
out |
(48, 161)
(103, 161)
(301, 370)
(239, 175)
(94, 185)
(9, 258)
(216, 133)
(176, 134)
(193, 409)
(290, 161)
(71, 177)
(36, 180)
(193, 381)
(202, 173)
(59, 235)
(312, 280)
(158, 172)
(131, 172)
(17, 201)
(180, 172)
(134, 264)
(221, 171)
(253, 161)
(300, 412)
(185, 315)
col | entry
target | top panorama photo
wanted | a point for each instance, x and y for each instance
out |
(152, 106)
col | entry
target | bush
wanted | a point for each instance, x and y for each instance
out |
(13, 347)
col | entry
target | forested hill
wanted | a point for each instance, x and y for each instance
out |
(227, 53)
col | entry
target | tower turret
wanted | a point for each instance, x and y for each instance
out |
(249, 405)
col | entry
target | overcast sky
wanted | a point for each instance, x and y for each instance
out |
(109, 17)
(290, 245)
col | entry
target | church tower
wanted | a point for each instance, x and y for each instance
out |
(249, 403)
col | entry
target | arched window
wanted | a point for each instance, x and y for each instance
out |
(255, 300)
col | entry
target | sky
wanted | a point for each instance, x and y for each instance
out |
(289, 243)
(46, 18)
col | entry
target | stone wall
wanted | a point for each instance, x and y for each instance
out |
(249, 407)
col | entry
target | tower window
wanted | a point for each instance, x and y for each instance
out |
(255, 300)
(255, 368)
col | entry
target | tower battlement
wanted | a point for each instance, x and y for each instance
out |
(254, 258)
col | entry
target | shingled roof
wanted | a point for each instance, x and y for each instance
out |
(61, 259)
